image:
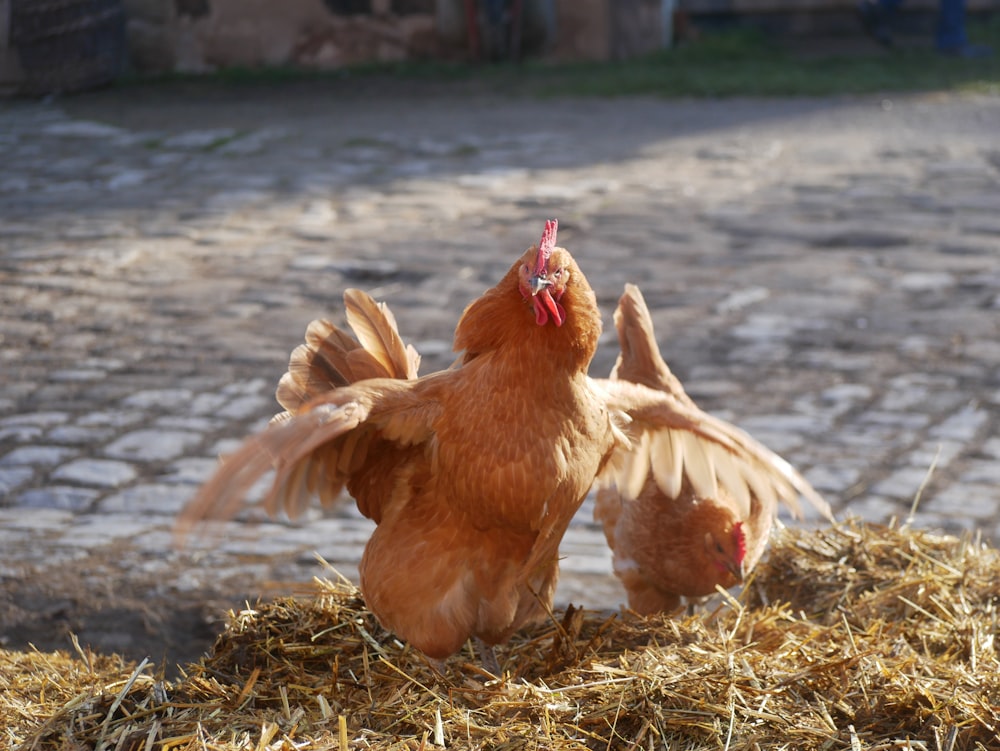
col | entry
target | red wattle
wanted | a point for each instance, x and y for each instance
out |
(541, 317)
(545, 306)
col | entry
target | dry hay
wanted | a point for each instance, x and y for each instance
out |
(853, 637)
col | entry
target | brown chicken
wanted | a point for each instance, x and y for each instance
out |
(471, 474)
(681, 536)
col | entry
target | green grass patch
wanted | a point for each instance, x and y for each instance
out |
(746, 63)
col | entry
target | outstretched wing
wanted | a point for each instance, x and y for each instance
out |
(331, 359)
(375, 326)
(318, 450)
(673, 440)
(714, 453)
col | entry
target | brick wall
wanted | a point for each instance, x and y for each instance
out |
(199, 35)
(206, 35)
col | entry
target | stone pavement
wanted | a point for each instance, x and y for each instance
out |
(825, 273)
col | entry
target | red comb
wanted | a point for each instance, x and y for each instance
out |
(545, 245)
(741, 542)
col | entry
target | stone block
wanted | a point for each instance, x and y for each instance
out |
(13, 477)
(962, 425)
(40, 456)
(97, 472)
(153, 445)
(158, 399)
(98, 531)
(78, 435)
(62, 497)
(147, 500)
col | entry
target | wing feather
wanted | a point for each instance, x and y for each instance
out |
(762, 472)
(375, 326)
(282, 446)
(667, 461)
(294, 492)
(766, 488)
(315, 451)
(686, 442)
(730, 479)
(349, 452)
(635, 469)
(698, 466)
(324, 480)
(640, 360)
(330, 358)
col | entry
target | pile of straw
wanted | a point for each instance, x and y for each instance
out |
(853, 637)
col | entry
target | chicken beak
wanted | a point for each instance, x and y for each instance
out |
(545, 306)
(738, 571)
(538, 283)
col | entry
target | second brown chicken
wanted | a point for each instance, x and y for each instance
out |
(673, 534)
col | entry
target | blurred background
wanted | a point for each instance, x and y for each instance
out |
(51, 46)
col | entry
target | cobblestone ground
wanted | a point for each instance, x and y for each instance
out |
(825, 273)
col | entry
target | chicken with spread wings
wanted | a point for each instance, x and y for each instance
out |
(471, 474)
(681, 534)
